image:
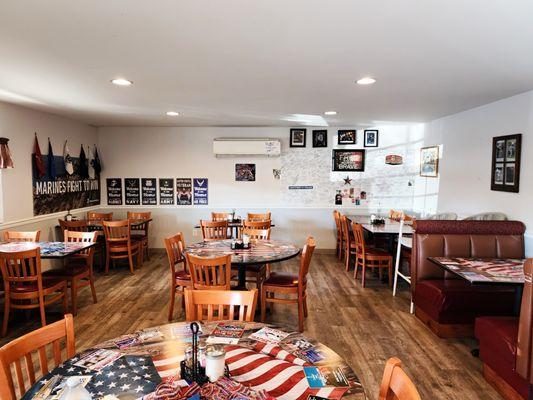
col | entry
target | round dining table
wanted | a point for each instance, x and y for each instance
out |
(260, 252)
(149, 360)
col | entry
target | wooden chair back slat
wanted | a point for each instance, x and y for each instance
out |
(359, 239)
(214, 230)
(12, 353)
(220, 216)
(210, 272)
(78, 226)
(396, 385)
(259, 216)
(266, 224)
(257, 234)
(337, 217)
(201, 304)
(140, 227)
(99, 217)
(305, 259)
(15, 236)
(21, 267)
(82, 237)
(117, 231)
(175, 245)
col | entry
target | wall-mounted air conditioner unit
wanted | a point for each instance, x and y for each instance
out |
(247, 147)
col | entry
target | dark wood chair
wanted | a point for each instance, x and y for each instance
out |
(78, 269)
(140, 232)
(25, 287)
(180, 278)
(214, 230)
(120, 245)
(369, 257)
(24, 347)
(396, 384)
(15, 236)
(210, 272)
(217, 305)
(290, 284)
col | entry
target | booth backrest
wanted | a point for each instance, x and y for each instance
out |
(440, 238)
(524, 347)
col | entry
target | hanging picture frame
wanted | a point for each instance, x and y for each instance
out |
(320, 138)
(347, 136)
(429, 162)
(506, 153)
(348, 160)
(371, 137)
(298, 137)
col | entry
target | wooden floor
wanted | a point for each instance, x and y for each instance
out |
(365, 326)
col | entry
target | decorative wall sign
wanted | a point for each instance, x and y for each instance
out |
(298, 137)
(394, 159)
(132, 191)
(245, 172)
(63, 192)
(183, 191)
(506, 153)
(114, 191)
(166, 191)
(347, 136)
(348, 160)
(149, 191)
(276, 173)
(200, 186)
(320, 138)
(429, 161)
(371, 137)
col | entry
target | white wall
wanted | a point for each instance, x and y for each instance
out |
(19, 124)
(137, 152)
(465, 167)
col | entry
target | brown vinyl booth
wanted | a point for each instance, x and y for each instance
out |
(445, 302)
(505, 346)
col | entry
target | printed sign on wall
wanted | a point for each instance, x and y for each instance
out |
(149, 191)
(200, 191)
(132, 191)
(184, 191)
(166, 191)
(114, 191)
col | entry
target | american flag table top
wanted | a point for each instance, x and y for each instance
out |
(154, 357)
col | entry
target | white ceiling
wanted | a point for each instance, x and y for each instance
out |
(263, 62)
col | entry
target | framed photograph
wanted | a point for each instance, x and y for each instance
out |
(505, 173)
(348, 160)
(429, 161)
(245, 172)
(347, 136)
(298, 137)
(371, 137)
(320, 138)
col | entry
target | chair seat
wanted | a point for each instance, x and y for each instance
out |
(183, 276)
(69, 271)
(376, 252)
(282, 279)
(139, 237)
(123, 246)
(48, 283)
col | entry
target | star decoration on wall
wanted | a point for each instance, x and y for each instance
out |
(347, 180)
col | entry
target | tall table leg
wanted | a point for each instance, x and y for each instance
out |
(517, 300)
(242, 277)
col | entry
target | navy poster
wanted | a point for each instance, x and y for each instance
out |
(132, 191)
(200, 191)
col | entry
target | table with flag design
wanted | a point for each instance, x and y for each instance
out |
(153, 358)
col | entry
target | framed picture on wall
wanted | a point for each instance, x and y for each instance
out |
(298, 137)
(429, 162)
(347, 136)
(371, 137)
(348, 160)
(505, 174)
(245, 172)
(320, 138)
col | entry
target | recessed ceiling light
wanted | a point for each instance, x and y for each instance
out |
(121, 82)
(330, 112)
(366, 81)
(172, 113)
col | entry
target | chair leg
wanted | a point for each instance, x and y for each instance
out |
(390, 273)
(263, 304)
(300, 314)
(107, 263)
(305, 307)
(130, 260)
(7, 307)
(363, 273)
(41, 309)
(347, 259)
(147, 252)
(74, 296)
(172, 299)
(93, 290)
(380, 273)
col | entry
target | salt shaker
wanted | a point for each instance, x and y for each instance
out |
(215, 362)
(75, 391)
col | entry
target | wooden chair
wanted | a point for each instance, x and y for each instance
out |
(119, 244)
(217, 305)
(78, 270)
(222, 216)
(259, 217)
(210, 272)
(289, 284)
(369, 257)
(398, 215)
(264, 224)
(140, 233)
(25, 287)
(179, 278)
(257, 234)
(348, 241)
(340, 239)
(73, 226)
(14, 236)
(396, 385)
(214, 230)
(24, 347)
(256, 273)
(99, 217)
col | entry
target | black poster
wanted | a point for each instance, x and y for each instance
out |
(184, 191)
(149, 191)
(114, 191)
(166, 191)
(133, 195)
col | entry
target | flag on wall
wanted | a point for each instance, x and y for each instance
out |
(67, 159)
(38, 159)
(97, 163)
(83, 170)
(51, 164)
(90, 163)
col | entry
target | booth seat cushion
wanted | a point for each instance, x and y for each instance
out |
(497, 349)
(455, 301)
